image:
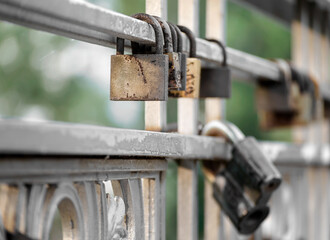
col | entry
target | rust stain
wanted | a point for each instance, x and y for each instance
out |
(141, 70)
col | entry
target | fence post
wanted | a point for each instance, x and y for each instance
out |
(214, 110)
(155, 111)
(155, 120)
(188, 15)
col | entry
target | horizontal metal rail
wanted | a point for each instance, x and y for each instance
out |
(63, 139)
(87, 22)
(21, 137)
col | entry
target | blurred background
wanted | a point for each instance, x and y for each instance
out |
(44, 77)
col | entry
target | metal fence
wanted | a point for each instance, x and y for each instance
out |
(110, 183)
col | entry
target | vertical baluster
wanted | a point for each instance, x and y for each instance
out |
(149, 190)
(187, 124)
(214, 110)
(155, 112)
(155, 120)
(317, 131)
(324, 208)
(300, 54)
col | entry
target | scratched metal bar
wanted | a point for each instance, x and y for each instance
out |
(34, 169)
(21, 137)
(90, 23)
(62, 139)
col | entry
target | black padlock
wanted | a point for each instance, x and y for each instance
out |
(243, 212)
(174, 64)
(245, 184)
(216, 82)
(252, 169)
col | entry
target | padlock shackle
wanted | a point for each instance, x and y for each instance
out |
(166, 33)
(174, 37)
(178, 33)
(120, 46)
(223, 48)
(285, 71)
(192, 40)
(224, 129)
(157, 28)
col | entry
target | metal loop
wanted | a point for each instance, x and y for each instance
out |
(178, 33)
(174, 37)
(167, 34)
(157, 28)
(192, 39)
(120, 46)
(224, 129)
(224, 52)
(285, 72)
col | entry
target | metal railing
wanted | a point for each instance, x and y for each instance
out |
(110, 183)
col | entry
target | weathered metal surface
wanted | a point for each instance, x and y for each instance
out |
(193, 80)
(245, 184)
(50, 169)
(73, 19)
(174, 73)
(140, 77)
(21, 137)
(174, 64)
(193, 68)
(216, 82)
(95, 199)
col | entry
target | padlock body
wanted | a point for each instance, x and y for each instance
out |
(215, 82)
(183, 66)
(174, 71)
(243, 212)
(251, 167)
(193, 80)
(279, 106)
(277, 96)
(244, 186)
(140, 77)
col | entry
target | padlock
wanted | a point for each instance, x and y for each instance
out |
(317, 101)
(278, 102)
(244, 185)
(193, 69)
(216, 82)
(174, 71)
(177, 47)
(245, 215)
(140, 77)
(306, 103)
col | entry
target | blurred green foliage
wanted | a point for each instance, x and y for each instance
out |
(25, 88)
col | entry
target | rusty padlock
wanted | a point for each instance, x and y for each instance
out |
(306, 104)
(174, 71)
(278, 102)
(216, 82)
(193, 69)
(177, 47)
(140, 77)
(244, 185)
(317, 102)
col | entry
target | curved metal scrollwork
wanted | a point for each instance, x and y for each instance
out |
(86, 210)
